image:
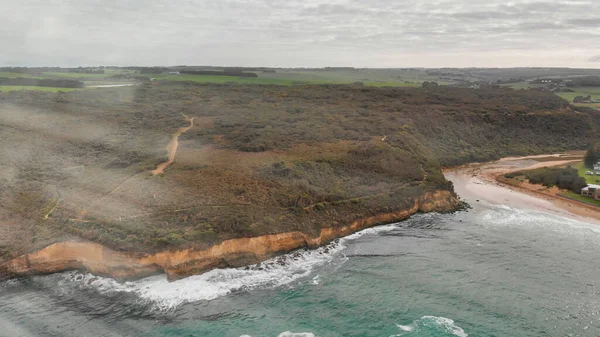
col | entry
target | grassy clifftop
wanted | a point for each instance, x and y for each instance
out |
(258, 159)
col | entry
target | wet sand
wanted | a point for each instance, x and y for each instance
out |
(478, 182)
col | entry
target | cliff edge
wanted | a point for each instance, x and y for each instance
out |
(100, 260)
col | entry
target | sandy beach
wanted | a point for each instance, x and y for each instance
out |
(479, 182)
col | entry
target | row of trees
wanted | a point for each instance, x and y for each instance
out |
(565, 178)
(592, 156)
(235, 73)
(59, 83)
(587, 81)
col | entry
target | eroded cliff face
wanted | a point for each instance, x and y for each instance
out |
(101, 260)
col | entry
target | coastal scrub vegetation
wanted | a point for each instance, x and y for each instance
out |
(566, 178)
(259, 159)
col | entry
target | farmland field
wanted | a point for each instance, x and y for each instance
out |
(21, 87)
(13, 75)
(281, 79)
(582, 91)
(84, 76)
(588, 178)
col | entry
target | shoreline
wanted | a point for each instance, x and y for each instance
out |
(472, 182)
(485, 181)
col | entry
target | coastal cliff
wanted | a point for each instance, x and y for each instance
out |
(180, 179)
(100, 260)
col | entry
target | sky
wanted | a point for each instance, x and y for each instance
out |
(301, 33)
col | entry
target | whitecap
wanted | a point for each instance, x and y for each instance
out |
(406, 328)
(315, 280)
(296, 334)
(432, 324)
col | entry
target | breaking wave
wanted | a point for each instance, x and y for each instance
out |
(431, 326)
(290, 334)
(506, 216)
(163, 295)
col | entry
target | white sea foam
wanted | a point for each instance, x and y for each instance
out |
(10, 283)
(432, 324)
(290, 334)
(315, 280)
(404, 327)
(296, 334)
(502, 215)
(279, 271)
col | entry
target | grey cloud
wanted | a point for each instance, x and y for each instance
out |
(584, 22)
(537, 25)
(298, 32)
(487, 15)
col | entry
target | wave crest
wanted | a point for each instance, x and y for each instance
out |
(431, 326)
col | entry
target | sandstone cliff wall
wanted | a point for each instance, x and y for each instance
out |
(100, 260)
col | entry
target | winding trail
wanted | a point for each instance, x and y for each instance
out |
(172, 147)
(53, 207)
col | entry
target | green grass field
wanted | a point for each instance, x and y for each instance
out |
(582, 198)
(582, 91)
(272, 80)
(19, 87)
(589, 179)
(224, 79)
(88, 77)
(13, 75)
(369, 77)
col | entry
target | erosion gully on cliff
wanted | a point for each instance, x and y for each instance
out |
(101, 260)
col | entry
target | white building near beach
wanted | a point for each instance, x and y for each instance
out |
(592, 191)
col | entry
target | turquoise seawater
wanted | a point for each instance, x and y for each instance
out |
(491, 271)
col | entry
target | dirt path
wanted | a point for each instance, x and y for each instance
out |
(172, 147)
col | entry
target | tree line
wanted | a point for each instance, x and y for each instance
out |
(592, 155)
(235, 73)
(564, 177)
(34, 82)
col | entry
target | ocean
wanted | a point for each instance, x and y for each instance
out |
(493, 270)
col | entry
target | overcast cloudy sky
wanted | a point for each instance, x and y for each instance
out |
(311, 33)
